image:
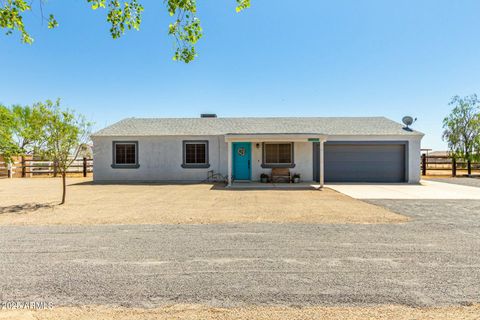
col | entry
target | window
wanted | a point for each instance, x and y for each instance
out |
(278, 155)
(195, 154)
(125, 154)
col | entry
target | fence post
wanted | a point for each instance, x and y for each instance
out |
(9, 170)
(84, 167)
(454, 167)
(469, 167)
(424, 164)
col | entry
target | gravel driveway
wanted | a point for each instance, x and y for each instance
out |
(432, 260)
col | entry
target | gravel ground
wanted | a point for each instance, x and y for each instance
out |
(430, 261)
(472, 182)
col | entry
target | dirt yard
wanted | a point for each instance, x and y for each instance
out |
(191, 312)
(35, 202)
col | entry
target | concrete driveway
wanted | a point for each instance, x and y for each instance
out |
(425, 190)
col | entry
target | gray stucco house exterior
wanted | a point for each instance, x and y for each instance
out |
(322, 149)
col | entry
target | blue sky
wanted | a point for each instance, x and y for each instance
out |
(320, 58)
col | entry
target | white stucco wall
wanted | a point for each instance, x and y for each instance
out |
(414, 156)
(160, 158)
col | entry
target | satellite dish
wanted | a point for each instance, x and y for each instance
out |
(408, 121)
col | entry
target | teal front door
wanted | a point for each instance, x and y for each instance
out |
(241, 160)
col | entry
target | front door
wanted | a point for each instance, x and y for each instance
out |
(241, 160)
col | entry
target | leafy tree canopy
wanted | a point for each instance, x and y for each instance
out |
(20, 129)
(462, 127)
(46, 130)
(122, 16)
(64, 135)
(27, 126)
(7, 146)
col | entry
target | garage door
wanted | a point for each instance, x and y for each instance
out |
(365, 162)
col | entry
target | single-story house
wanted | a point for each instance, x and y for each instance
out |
(323, 149)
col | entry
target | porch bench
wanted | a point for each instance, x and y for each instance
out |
(281, 175)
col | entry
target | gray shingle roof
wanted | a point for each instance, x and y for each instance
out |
(221, 126)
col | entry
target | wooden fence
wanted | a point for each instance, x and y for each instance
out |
(35, 167)
(447, 163)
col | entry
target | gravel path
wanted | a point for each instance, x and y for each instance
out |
(432, 260)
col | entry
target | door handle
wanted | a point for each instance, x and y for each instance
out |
(248, 164)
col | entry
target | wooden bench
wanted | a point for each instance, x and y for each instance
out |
(281, 175)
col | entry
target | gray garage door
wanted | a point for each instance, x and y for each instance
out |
(365, 162)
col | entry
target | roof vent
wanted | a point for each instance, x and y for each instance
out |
(208, 115)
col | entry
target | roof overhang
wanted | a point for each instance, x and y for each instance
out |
(261, 137)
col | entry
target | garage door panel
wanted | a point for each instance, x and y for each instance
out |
(364, 162)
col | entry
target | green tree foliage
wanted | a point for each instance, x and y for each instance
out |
(26, 127)
(11, 18)
(462, 128)
(65, 134)
(122, 16)
(8, 147)
(46, 130)
(20, 131)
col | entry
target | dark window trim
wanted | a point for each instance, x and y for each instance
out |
(278, 165)
(124, 166)
(193, 165)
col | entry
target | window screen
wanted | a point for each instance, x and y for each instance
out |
(195, 153)
(125, 153)
(278, 153)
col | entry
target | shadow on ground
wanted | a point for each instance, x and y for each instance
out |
(25, 207)
(213, 185)
(139, 183)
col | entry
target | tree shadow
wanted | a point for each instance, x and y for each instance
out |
(83, 183)
(25, 208)
(142, 183)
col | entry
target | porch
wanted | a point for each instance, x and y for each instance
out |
(253, 185)
(251, 156)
